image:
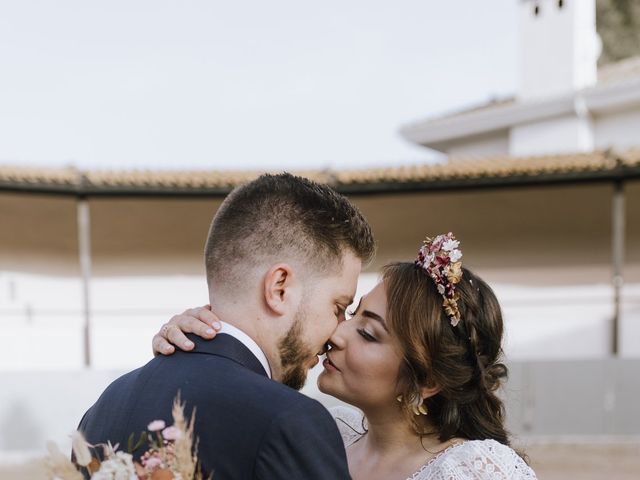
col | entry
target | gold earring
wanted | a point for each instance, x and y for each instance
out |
(420, 409)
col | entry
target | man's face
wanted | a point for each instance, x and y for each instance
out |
(321, 309)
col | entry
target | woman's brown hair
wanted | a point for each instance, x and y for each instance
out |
(464, 361)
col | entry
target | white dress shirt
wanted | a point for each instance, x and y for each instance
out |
(248, 342)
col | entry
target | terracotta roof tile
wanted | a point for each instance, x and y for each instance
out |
(202, 179)
(456, 170)
(36, 176)
(167, 179)
(470, 168)
(631, 158)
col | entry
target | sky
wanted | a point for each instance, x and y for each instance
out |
(243, 84)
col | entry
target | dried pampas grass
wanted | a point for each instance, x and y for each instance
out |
(58, 465)
(185, 451)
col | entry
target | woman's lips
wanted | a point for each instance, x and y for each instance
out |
(329, 365)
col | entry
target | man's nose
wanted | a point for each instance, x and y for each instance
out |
(337, 338)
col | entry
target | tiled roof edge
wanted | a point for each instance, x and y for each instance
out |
(456, 173)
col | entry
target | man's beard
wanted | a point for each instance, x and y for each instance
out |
(294, 356)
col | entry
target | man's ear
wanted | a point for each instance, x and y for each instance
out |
(278, 288)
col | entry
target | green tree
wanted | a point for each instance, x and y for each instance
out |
(618, 24)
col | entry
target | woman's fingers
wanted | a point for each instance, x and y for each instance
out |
(175, 336)
(196, 320)
(203, 314)
(161, 346)
(200, 321)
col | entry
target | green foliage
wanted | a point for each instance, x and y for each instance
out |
(618, 24)
(142, 441)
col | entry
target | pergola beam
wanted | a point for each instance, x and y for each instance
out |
(84, 253)
(617, 261)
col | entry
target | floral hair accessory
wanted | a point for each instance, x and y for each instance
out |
(440, 258)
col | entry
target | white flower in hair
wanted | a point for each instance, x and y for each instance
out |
(450, 244)
(440, 258)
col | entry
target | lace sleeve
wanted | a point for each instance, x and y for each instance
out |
(478, 460)
(349, 422)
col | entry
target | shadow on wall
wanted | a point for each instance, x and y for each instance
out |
(19, 428)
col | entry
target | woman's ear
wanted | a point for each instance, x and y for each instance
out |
(426, 392)
(278, 283)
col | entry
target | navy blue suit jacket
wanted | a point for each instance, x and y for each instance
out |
(249, 427)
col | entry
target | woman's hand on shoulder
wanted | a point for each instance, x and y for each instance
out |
(201, 321)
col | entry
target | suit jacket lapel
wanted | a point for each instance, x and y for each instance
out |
(229, 347)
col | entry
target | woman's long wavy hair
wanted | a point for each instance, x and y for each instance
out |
(464, 362)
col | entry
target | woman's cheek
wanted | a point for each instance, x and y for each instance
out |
(371, 364)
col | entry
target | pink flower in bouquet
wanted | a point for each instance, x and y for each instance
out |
(156, 425)
(153, 462)
(171, 433)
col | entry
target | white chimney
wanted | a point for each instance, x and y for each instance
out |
(559, 47)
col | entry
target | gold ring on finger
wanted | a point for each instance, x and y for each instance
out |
(164, 331)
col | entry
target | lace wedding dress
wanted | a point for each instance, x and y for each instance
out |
(470, 460)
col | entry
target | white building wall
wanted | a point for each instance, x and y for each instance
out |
(542, 323)
(568, 134)
(619, 130)
(486, 145)
(558, 47)
(126, 312)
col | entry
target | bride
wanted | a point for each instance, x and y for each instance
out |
(421, 359)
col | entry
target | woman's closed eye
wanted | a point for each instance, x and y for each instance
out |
(367, 335)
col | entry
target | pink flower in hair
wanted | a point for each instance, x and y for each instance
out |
(440, 259)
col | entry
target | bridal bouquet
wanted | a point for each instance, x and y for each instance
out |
(170, 455)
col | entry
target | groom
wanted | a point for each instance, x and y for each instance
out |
(282, 259)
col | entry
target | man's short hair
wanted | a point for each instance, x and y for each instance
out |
(283, 218)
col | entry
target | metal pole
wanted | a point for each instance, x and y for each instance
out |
(84, 251)
(618, 230)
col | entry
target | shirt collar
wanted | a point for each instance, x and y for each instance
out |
(248, 342)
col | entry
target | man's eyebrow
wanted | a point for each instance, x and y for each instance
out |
(375, 316)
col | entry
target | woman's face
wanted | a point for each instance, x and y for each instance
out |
(363, 364)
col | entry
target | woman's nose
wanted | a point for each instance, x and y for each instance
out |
(337, 338)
